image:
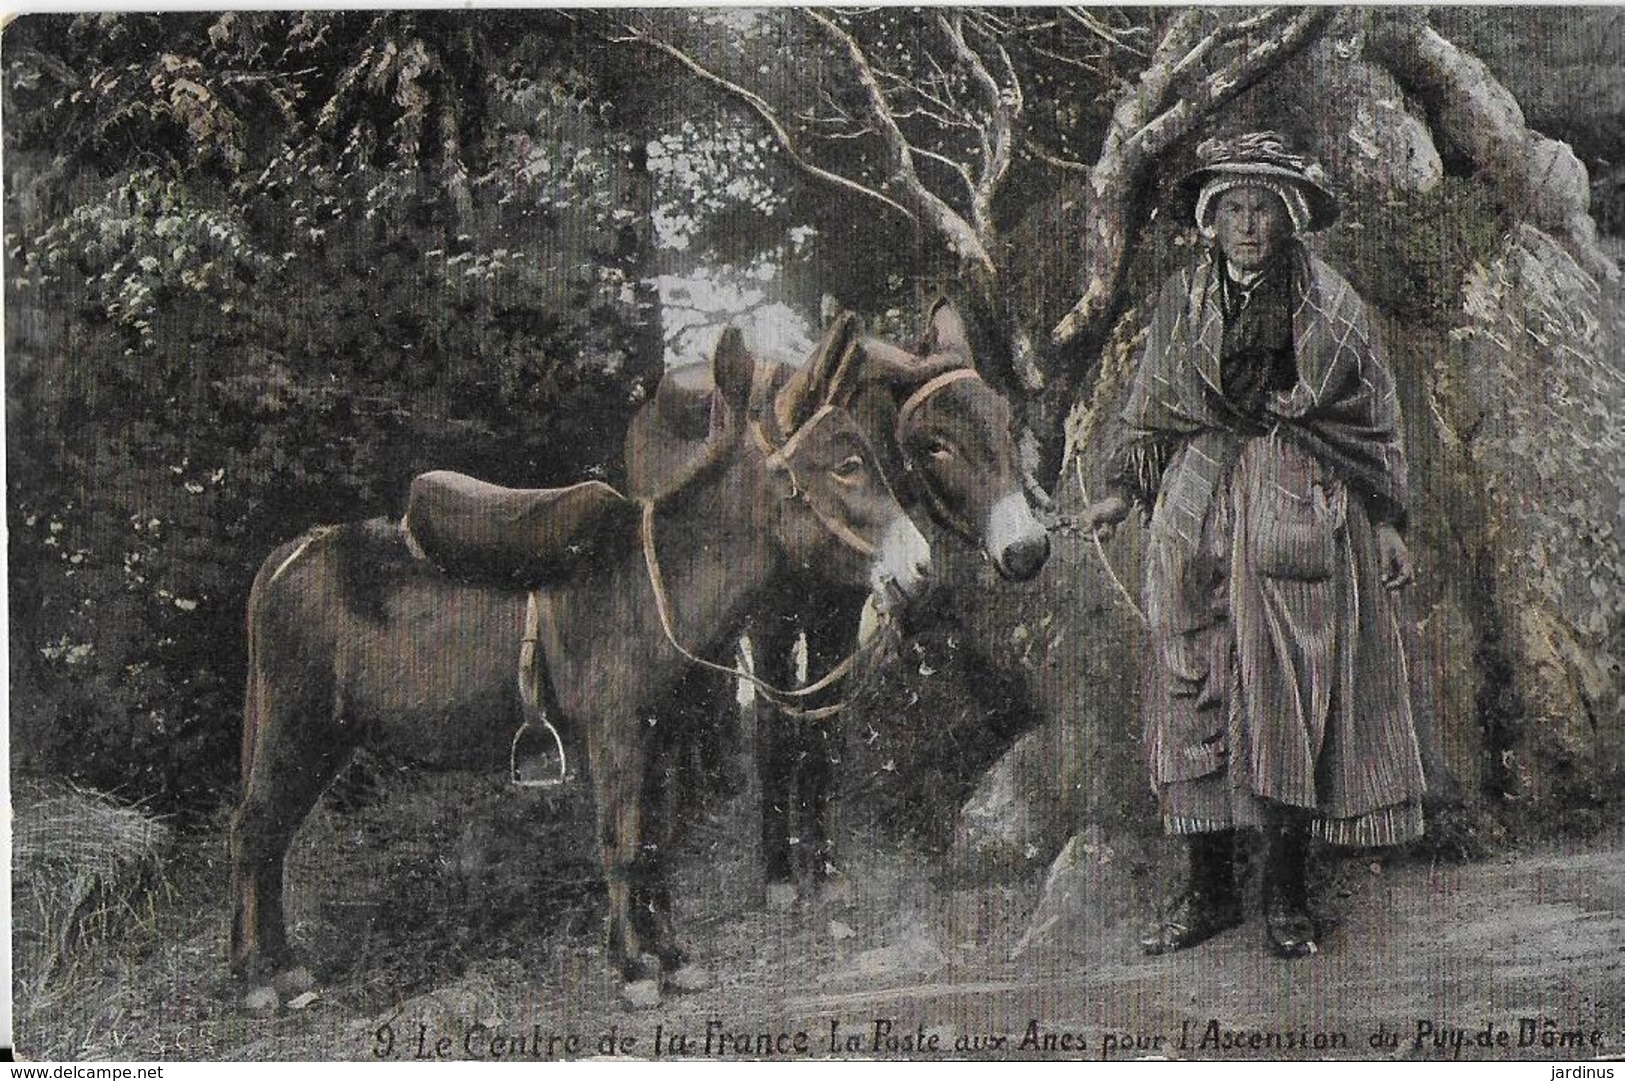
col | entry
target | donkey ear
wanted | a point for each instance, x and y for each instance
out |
(824, 369)
(825, 374)
(893, 366)
(945, 333)
(733, 369)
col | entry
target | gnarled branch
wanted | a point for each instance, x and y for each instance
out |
(961, 236)
(1142, 130)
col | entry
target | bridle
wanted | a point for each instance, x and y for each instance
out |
(541, 631)
(935, 503)
(776, 459)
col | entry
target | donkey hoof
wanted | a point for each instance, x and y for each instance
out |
(641, 994)
(691, 977)
(262, 1001)
(293, 982)
(838, 892)
(781, 896)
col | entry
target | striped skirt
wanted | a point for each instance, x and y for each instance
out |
(1279, 673)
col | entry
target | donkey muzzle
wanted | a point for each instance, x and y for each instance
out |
(1017, 541)
(902, 571)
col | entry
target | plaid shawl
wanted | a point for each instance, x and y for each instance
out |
(1343, 409)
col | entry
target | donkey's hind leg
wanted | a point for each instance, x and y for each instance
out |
(286, 779)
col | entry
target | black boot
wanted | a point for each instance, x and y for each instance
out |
(1289, 929)
(1209, 904)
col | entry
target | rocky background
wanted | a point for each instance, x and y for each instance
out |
(1472, 235)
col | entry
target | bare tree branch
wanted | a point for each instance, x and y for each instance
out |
(1113, 37)
(1139, 134)
(768, 115)
(1224, 85)
(1223, 36)
(1003, 104)
(1068, 61)
(1049, 157)
(958, 168)
(962, 238)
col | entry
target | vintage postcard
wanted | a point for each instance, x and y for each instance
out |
(817, 533)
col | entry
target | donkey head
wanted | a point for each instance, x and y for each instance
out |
(836, 518)
(953, 438)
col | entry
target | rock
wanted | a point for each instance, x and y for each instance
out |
(641, 994)
(840, 932)
(294, 981)
(1481, 119)
(691, 977)
(299, 1002)
(1090, 887)
(915, 951)
(1371, 137)
(261, 1001)
(1532, 378)
(781, 896)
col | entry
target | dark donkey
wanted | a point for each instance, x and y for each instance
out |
(943, 437)
(353, 640)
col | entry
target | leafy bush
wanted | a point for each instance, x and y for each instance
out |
(263, 269)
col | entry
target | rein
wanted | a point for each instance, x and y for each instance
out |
(934, 502)
(785, 700)
(1100, 549)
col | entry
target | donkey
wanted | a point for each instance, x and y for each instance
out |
(943, 437)
(354, 641)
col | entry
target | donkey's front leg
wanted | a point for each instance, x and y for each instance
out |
(651, 896)
(617, 754)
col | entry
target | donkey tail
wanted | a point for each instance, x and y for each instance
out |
(256, 703)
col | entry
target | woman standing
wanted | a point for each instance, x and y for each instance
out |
(1263, 434)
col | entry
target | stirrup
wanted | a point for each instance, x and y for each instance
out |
(525, 779)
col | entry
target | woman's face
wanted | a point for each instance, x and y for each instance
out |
(1251, 224)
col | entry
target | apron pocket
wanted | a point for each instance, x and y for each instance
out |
(1296, 536)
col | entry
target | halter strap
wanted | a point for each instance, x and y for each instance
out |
(779, 458)
(938, 506)
(927, 390)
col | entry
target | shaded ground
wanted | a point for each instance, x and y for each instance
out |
(476, 936)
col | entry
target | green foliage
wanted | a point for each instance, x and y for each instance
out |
(394, 247)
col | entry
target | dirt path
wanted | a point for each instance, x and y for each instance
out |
(475, 935)
(1519, 957)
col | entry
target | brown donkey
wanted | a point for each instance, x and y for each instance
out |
(943, 438)
(354, 641)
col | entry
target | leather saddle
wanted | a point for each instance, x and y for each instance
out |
(519, 537)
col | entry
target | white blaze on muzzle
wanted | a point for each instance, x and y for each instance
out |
(903, 568)
(1012, 526)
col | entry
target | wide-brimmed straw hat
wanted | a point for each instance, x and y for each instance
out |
(1262, 157)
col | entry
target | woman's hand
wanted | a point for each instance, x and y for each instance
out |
(1393, 558)
(1103, 515)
